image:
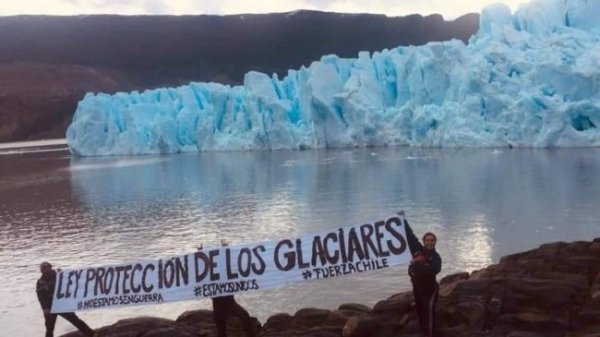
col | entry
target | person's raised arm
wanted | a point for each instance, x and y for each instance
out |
(413, 243)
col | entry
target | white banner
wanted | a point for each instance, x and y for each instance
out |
(215, 272)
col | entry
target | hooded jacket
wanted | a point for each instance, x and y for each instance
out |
(45, 289)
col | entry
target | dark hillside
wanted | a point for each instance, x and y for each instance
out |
(64, 57)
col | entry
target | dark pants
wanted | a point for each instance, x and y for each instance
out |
(425, 301)
(72, 318)
(220, 316)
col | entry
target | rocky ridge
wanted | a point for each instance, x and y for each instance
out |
(551, 291)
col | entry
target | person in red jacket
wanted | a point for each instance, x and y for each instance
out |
(45, 290)
(423, 268)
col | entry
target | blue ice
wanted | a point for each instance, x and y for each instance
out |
(526, 79)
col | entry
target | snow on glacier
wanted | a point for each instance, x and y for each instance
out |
(528, 79)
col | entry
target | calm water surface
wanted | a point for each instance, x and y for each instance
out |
(483, 204)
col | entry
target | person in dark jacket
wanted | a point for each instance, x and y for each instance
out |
(225, 307)
(45, 290)
(425, 265)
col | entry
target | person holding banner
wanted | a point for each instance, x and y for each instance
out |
(225, 307)
(45, 289)
(423, 268)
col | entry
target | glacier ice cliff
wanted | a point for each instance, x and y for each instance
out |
(527, 79)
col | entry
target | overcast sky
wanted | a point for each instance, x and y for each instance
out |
(448, 8)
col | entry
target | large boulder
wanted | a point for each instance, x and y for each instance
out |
(141, 327)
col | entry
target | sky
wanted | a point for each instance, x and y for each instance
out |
(450, 9)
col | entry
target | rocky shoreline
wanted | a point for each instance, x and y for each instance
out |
(551, 291)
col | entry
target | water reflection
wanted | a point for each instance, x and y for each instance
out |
(474, 248)
(482, 204)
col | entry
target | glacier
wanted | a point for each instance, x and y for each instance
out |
(526, 79)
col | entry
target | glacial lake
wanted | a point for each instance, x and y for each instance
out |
(482, 204)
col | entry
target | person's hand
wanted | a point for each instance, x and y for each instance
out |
(422, 259)
(46, 311)
(200, 247)
(224, 243)
(401, 212)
